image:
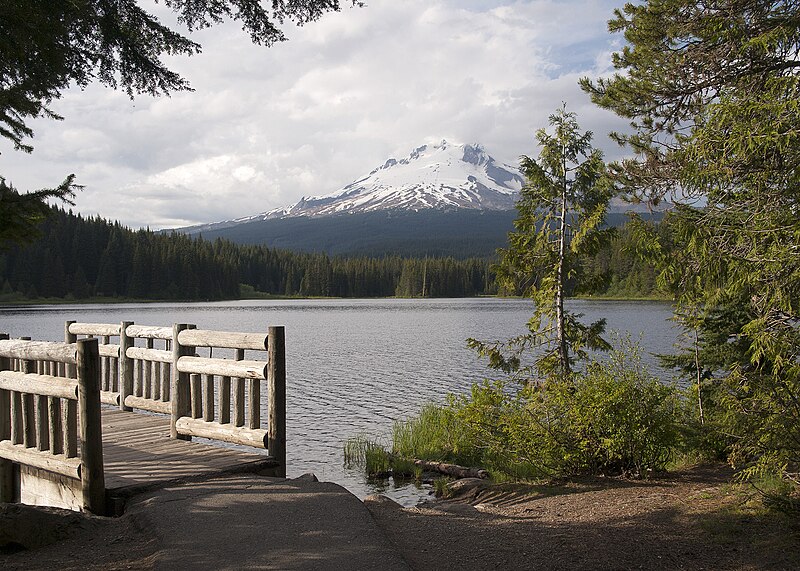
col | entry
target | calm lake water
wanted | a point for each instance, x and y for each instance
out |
(355, 366)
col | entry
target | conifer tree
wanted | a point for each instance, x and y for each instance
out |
(712, 89)
(561, 209)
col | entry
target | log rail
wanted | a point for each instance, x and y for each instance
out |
(210, 384)
(51, 422)
(209, 397)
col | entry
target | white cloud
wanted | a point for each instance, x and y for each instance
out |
(266, 126)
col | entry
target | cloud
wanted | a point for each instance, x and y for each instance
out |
(267, 126)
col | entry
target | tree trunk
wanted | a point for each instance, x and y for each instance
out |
(453, 470)
(563, 355)
(699, 377)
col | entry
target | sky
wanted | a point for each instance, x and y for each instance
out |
(267, 126)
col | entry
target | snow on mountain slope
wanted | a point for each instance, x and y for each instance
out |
(440, 176)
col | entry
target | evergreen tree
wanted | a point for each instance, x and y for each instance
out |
(21, 213)
(561, 209)
(712, 90)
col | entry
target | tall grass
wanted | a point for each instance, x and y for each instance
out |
(436, 433)
(361, 451)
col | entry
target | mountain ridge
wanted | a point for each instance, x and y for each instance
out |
(440, 176)
(442, 199)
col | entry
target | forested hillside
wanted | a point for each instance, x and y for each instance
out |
(457, 233)
(436, 233)
(79, 258)
(83, 258)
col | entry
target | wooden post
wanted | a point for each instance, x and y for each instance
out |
(28, 407)
(156, 367)
(254, 404)
(197, 395)
(93, 485)
(16, 418)
(276, 381)
(42, 423)
(6, 466)
(238, 395)
(224, 400)
(125, 366)
(138, 378)
(69, 338)
(56, 429)
(69, 419)
(165, 374)
(147, 374)
(180, 391)
(208, 398)
(105, 367)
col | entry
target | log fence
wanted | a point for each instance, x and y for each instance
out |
(210, 384)
(147, 369)
(109, 355)
(48, 421)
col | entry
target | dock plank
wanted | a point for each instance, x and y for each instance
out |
(139, 455)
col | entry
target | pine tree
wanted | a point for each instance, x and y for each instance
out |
(712, 90)
(561, 209)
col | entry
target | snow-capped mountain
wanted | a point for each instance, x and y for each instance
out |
(440, 176)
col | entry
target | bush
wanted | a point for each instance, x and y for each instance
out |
(614, 418)
(622, 419)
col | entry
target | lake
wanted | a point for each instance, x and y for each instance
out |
(355, 366)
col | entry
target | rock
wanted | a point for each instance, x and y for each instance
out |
(307, 477)
(382, 501)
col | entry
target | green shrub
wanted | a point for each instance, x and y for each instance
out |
(613, 418)
(622, 419)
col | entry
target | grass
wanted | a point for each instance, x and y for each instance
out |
(435, 434)
(441, 488)
(362, 451)
(404, 468)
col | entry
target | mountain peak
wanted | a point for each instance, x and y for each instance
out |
(442, 175)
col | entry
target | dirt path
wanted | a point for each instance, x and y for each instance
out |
(693, 520)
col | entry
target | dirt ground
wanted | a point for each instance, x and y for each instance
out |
(690, 520)
(51, 538)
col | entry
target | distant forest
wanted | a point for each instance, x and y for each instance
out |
(79, 258)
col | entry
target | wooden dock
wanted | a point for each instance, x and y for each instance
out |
(139, 456)
(60, 446)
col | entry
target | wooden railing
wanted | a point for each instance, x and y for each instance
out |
(49, 421)
(210, 397)
(220, 398)
(109, 355)
(146, 371)
(50, 396)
